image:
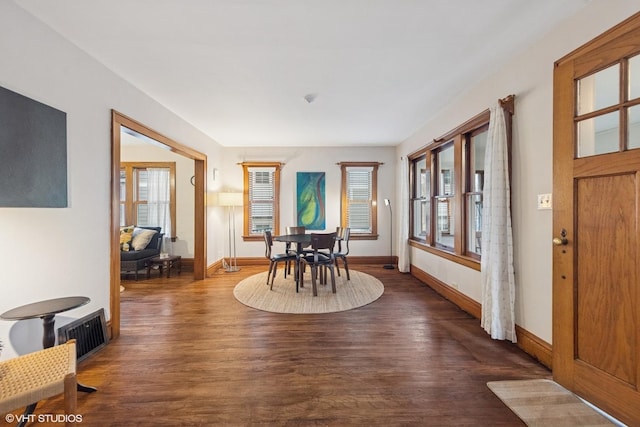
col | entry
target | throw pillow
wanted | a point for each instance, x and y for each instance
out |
(126, 234)
(141, 238)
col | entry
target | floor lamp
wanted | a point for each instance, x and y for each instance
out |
(231, 200)
(389, 266)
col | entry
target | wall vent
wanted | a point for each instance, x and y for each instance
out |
(90, 333)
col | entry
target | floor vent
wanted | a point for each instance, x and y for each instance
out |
(90, 333)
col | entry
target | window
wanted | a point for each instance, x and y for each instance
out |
(421, 200)
(444, 197)
(261, 199)
(474, 150)
(147, 195)
(447, 181)
(358, 202)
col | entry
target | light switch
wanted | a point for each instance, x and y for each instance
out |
(544, 201)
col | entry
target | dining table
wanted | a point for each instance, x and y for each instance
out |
(301, 241)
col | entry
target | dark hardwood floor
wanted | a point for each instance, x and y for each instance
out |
(191, 355)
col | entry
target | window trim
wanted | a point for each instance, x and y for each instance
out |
(129, 213)
(344, 200)
(459, 136)
(246, 236)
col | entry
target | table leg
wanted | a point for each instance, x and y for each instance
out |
(49, 340)
(86, 388)
(26, 414)
(49, 336)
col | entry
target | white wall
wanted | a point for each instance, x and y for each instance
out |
(530, 77)
(312, 159)
(49, 253)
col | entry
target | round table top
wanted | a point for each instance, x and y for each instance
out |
(44, 308)
(293, 238)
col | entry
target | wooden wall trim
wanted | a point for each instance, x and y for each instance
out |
(535, 346)
(529, 343)
(458, 298)
(353, 260)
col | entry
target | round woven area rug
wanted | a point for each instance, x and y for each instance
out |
(361, 290)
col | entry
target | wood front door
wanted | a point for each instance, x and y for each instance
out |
(596, 222)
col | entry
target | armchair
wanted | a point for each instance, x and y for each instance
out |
(134, 260)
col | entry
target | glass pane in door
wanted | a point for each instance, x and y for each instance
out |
(599, 135)
(599, 90)
(633, 131)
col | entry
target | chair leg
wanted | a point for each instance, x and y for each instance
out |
(335, 261)
(269, 273)
(346, 267)
(333, 279)
(70, 397)
(300, 281)
(314, 276)
(273, 277)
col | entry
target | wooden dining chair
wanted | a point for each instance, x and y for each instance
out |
(343, 249)
(294, 230)
(321, 257)
(274, 259)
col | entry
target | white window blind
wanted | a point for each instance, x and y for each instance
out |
(359, 197)
(261, 199)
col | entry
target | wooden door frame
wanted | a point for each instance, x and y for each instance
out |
(200, 251)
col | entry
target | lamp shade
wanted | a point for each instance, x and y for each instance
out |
(230, 199)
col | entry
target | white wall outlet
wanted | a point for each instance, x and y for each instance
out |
(544, 201)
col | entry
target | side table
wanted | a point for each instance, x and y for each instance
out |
(46, 310)
(169, 262)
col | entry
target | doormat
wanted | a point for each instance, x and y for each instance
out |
(544, 402)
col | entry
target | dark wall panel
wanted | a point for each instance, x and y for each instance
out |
(33, 153)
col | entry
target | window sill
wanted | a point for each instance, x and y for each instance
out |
(363, 236)
(467, 261)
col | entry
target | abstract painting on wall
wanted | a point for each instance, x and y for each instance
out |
(310, 197)
(33, 153)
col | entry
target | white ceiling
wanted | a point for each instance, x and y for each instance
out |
(239, 69)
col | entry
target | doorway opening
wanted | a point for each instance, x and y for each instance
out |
(119, 122)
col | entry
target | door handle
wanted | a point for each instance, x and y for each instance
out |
(562, 240)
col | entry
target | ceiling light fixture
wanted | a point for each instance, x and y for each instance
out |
(310, 97)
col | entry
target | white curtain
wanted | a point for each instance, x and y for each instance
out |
(158, 199)
(497, 274)
(403, 210)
